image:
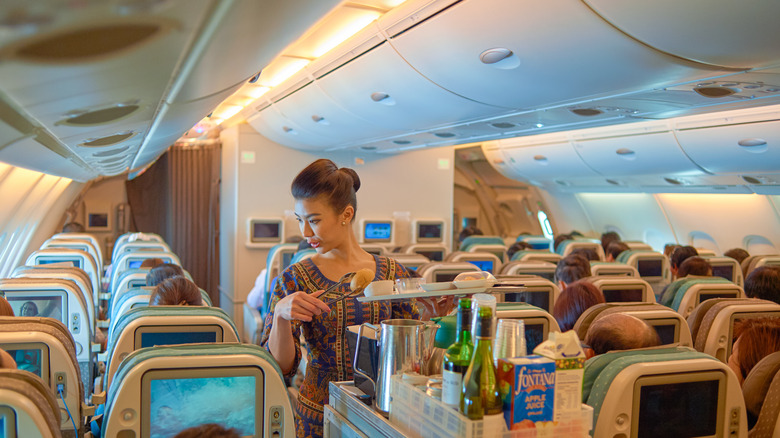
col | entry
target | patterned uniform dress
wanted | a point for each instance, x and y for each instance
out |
(329, 355)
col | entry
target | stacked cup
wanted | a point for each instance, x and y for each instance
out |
(509, 340)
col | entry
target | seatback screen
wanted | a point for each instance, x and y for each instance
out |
(724, 271)
(134, 264)
(150, 339)
(434, 256)
(377, 231)
(686, 409)
(29, 360)
(439, 277)
(706, 295)
(262, 231)
(534, 335)
(650, 268)
(622, 295)
(539, 299)
(76, 263)
(429, 232)
(665, 333)
(483, 265)
(41, 306)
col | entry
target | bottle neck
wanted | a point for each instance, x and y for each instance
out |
(463, 326)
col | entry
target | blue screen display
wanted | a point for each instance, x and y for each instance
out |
(134, 264)
(76, 263)
(173, 338)
(483, 265)
(177, 404)
(377, 231)
(27, 360)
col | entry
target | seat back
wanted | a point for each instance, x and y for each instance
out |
(716, 331)
(81, 259)
(728, 268)
(536, 256)
(653, 267)
(592, 313)
(482, 240)
(124, 261)
(303, 255)
(612, 269)
(537, 323)
(704, 252)
(434, 252)
(279, 257)
(130, 279)
(538, 292)
(637, 245)
(697, 289)
(134, 237)
(146, 326)
(670, 325)
(536, 242)
(374, 248)
(27, 406)
(768, 260)
(540, 268)
(139, 297)
(624, 289)
(83, 245)
(410, 261)
(44, 347)
(663, 392)
(176, 387)
(495, 249)
(762, 396)
(84, 236)
(76, 275)
(444, 271)
(140, 246)
(483, 260)
(567, 246)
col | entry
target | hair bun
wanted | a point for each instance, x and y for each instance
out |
(354, 176)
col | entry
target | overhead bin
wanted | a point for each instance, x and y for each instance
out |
(30, 154)
(556, 51)
(708, 31)
(276, 127)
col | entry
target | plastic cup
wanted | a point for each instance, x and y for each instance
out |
(509, 340)
(409, 285)
(482, 300)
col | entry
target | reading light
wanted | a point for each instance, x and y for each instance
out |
(540, 125)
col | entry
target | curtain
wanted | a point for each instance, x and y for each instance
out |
(181, 203)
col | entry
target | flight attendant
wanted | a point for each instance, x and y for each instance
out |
(325, 206)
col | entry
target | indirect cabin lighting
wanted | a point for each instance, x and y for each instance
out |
(281, 69)
(256, 92)
(228, 111)
(363, 19)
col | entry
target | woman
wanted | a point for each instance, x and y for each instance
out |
(176, 291)
(754, 340)
(575, 299)
(325, 205)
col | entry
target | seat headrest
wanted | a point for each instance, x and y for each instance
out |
(758, 381)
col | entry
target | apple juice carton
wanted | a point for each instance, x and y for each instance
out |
(527, 386)
(565, 349)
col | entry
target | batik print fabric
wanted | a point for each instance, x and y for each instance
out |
(329, 357)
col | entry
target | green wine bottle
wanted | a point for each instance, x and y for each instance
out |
(480, 385)
(457, 357)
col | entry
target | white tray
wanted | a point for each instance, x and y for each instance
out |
(443, 293)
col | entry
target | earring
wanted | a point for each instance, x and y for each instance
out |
(343, 223)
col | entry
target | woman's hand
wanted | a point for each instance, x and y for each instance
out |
(437, 306)
(300, 306)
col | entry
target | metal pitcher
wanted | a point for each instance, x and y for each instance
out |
(405, 345)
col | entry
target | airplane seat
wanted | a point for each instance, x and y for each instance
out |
(481, 239)
(410, 261)
(76, 275)
(768, 260)
(129, 279)
(727, 268)
(303, 255)
(698, 313)
(673, 391)
(435, 252)
(485, 261)
(253, 325)
(133, 260)
(44, 347)
(27, 406)
(538, 291)
(61, 300)
(716, 331)
(606, 269)
(537, 323)
(653, 267)
(536, 255)
(536, 242)
(624, 289)
(238, 385)
(139, 297)
(540, 268)
(497, 250)
(746, 265)
(80, 259)
(637, 245)
(753, 262)
(279, 257)
(83, 245)
(762, 397)
(140, 247)
(134, 237)
(435, 272)
(86, 237)
(698, 289)
(159, 325)
(595, 312)
(704, 252)
(567, 246)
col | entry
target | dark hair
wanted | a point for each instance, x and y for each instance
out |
(152, 262)
(669, 249)
(618, 331)
(680, 254)
(737, 254)
(210, 430)
(517, 246)
(694, 266)
(572, 268)
(573, 301)
(559, 239)
(73, 227)
(609, 237)
(176, 291)
(471, 230)
(758, 338)
(615, 248)
(303, 244)
(5, 308)
(589, 253)
(160, 272)
(323, 178)
(764, 283)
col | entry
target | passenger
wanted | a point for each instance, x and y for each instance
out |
(208, 431)
(151, 263)
(695, 266)
(176, 291)
(737, 254)
(764, 283)
(618, 331)
(575, 233)
(755, 339)
(515, 247)
(325, 206)
(588, 253)
(669, 249)
(574, 301)
(5, 307)
(7, 361)
(29, 309)
(73, 227)
(560, 239)
(471, 230)
(609, 237)
(571, 268)
(161, 272)
(678, 256)
(614, 249)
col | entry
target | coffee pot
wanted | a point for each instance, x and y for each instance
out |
(405, 346)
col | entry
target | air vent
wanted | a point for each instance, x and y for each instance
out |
(114, 160)
(85, 44)
(586, 112)
(368, 148)
(108, 140)
(615, 183)
(541, 159)
(382, 98)
(101, 116)
(402, 142)
(715, 92)
(502, 125)
(110, 153)
(320, 120)
(673, 181)
(289, 130)
(751, 180)
(561, 182)
(444, 134)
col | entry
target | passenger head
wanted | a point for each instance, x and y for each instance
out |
(575, 233)
(618, 331)
(764, 283)
(737, 254)
(7, 361)
(517, 246)
(571, 268)
(679, 255)
(151, 263)
(29, 308)
(609, 237)
(471, 230)
(755, 339)
(588, 253)
(336, 187)
(5, 308)
(73, 227)
(614, 249)
(176, 291)
(695, 266)
(669, 249)
(208, 431)
(573, 301)
(559, 239)
(160, 272)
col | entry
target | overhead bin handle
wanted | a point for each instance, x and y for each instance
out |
(626, 153)
(751, 142)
